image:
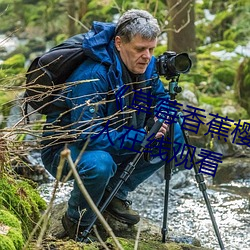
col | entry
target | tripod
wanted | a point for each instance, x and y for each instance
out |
(173, 90)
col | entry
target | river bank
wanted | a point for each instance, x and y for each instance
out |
(188, 215)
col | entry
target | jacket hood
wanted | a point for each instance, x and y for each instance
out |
(98, 42)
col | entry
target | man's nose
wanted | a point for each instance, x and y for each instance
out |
(146, 54)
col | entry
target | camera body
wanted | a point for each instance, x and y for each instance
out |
(171, 65)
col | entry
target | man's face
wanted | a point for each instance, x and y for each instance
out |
(137, 53)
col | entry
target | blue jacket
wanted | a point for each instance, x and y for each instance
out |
(93, 106)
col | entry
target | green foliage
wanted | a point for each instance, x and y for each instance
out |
(6, 243)
(224, 75)
(9, 219)
(228, 45)
(5, 97)
(229, 23)
(221, 23)
(60, 38)
(12, 67)
(17, 61)
(160, 50)
(242, 84)
(128, 244)
(214, 101)
(22, 200)
(13, 239)
(216, 67)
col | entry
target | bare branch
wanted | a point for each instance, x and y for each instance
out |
(66, 154)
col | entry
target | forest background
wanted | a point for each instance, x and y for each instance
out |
(214, 33)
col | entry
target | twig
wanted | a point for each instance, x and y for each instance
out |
(99, 238)
(66, 155)
(137, 236)
(77, 21)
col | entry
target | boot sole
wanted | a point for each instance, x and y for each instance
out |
(121, 219)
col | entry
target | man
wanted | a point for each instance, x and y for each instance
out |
(103, 115)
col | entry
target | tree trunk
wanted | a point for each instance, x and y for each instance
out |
(71, 6)
(83, 8)
(181, 27)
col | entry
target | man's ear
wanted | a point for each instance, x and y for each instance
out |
(118, 42)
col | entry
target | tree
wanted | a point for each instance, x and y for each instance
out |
(76, 11)
(181, 27)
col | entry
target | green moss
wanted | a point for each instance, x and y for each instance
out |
(212, 100)
(91, 247)
(225, 75)
(16, 237)
(242, 84)
(21, 199)
(13, 70)
(9, 219)
(160, 49)
(128, 244)
(13, 239)
(6, 243)
(228, 45)
(16, 61)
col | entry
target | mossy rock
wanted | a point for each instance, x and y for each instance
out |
(21, 199)
(225, 75)
(233, 168)
(17, 60)
(215, 101)
(128, 244)
(13, 70)
(11, 237)
(229, 45)
(242, 84)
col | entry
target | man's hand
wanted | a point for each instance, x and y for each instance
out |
(163, 129)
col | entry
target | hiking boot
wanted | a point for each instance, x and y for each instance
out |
(75, 231)
(121, 211)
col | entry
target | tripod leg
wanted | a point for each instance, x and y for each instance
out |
(168, 172)
(125, 175)
(202, 186)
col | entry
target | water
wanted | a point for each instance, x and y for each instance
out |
(188, 215)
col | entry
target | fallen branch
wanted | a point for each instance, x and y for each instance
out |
(65, 154)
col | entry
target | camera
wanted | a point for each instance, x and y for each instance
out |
(171, 65)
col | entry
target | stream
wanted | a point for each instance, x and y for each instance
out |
(187, 212)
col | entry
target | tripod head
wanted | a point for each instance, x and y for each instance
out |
(174, 89)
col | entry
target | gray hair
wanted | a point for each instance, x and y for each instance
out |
(137, 22)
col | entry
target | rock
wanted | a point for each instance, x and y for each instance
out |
(233, 168)
(149, 237)
(189, 97)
